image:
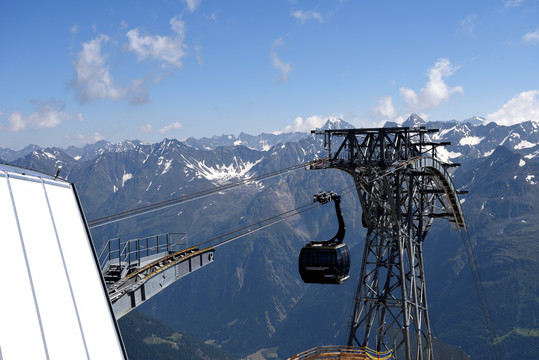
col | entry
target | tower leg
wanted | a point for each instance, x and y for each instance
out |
(391, 295)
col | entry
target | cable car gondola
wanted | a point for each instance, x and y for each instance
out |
(326, 262)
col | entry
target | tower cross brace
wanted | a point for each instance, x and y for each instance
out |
(402, 187)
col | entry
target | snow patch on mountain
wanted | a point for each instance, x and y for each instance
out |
(126, 177)
(507, 137)
(442, 133)
(264, 146)
(488, 153)
(524, 145)
(146, 159)
(471, 140)
(475, 120)
(532, 155)
(445, 155)
(165, 164)
(531, 179)
(222, 173)
(49, 155)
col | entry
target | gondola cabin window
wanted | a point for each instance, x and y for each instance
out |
(324, 264)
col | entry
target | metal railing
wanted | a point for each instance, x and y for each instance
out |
(341, 352)
(130, 252)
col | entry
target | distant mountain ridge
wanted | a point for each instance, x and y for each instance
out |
(467, 141)
(263, 142)
(251, 297)
(91, 151)
(10, 155)
(334, 123)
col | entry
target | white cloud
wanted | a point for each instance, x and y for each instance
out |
(436, 90)
(305, 16)
(47, 115)
(385, 108)
(93, 78)
(192, 4)
(531, 37)
(16, 122)
(285, 68)
(178, 26)
(523, 107)
(146, 129)
(212, 16)
(91, 138)
(198, 50)
(513, 3)
(167, 49)
(306, 125)
(467, 25)
(174, 126)
(138, 92)
(74, 29)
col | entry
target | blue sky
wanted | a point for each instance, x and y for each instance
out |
(76, 72)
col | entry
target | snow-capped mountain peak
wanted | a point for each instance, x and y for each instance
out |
(413, 120)
(334, 123)
(475, 120)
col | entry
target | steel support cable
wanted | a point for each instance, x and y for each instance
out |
(272, 221)
(281, 218)
(172, 202)
(309, 206)
(124, 215)
(192, 196)
(291, 213)
(485, 309)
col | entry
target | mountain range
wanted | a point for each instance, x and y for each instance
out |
(251, 299)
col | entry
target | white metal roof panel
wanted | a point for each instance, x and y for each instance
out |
(54, 304)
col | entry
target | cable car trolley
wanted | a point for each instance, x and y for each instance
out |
(326, 262)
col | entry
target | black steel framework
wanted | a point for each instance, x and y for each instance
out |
(402, 188)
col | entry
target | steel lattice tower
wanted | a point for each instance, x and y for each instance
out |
(402, 187)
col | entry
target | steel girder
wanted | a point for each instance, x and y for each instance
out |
(402, 187)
